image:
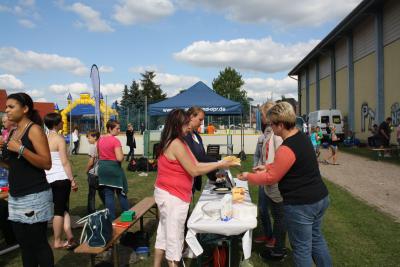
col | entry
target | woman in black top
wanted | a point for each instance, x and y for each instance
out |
(30, 198)
(130, 142)
(305, 196)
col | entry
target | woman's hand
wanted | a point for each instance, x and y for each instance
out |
(14, 145)
(259, 168)
(242, 176)
(74, 185)
(226, 164)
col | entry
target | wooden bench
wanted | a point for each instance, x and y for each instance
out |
(380, 152)
(141, 208)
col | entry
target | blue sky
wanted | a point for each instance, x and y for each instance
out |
(48, 47)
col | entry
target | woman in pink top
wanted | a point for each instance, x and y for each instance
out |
(173, 188)
(111, 176)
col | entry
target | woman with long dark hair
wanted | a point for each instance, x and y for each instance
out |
(30, 199)
(173, 188)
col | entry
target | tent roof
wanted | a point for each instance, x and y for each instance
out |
(198, 95)
(82, 109)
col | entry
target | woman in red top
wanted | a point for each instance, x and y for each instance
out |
(173, 188)
(111, 176)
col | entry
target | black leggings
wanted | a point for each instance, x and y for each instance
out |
(32, 239)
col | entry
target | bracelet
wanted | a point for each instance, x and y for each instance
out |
(21, 151)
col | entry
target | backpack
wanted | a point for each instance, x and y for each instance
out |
(132, 166)
(142, 164)
(97, 231)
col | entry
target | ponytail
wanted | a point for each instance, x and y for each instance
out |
(35, 117)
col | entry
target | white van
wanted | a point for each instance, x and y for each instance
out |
(324, 117)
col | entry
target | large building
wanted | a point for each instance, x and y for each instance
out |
(356, 68)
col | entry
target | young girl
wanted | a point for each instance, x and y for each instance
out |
(61, 181)
(91, 170)
(30, 200)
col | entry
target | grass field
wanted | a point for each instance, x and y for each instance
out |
(357, 234)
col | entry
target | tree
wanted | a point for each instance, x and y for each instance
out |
(136, 95)
(125, 98)
(150, 88)
(229, 84)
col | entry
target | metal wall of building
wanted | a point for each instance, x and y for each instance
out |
(391, 22)
(341, 54)
(324, 66)
(364, 38)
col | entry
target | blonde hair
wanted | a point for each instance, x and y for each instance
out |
(266, 106)
(283, 112)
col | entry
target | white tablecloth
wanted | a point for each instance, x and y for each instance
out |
(199, 223)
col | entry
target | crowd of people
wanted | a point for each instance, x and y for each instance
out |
(285, 169)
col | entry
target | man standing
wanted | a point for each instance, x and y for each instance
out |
(130, 141)
(384, 132)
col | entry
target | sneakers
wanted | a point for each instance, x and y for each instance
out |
(271, 254)
(262, 239)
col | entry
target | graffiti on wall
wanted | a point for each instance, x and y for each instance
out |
(367, 113)
(395, 113)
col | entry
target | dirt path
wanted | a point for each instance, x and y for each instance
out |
(376, 182)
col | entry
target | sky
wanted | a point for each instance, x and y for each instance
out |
(48, 47)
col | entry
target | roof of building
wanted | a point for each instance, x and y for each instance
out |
(342, 29)
(3, 100)
(43, 108)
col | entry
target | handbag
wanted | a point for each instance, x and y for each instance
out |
(98, 230)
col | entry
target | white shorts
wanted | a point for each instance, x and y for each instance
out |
(170, 231)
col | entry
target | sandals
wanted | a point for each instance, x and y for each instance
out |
(68, 245)
(71, 244)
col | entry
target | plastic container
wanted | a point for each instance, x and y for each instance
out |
(142, 252)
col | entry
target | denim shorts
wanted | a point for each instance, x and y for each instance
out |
(32, 208)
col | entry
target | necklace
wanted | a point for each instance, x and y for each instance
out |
(17, 135)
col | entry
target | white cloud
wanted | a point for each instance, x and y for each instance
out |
(90, 18)
(106, 69)
(172, 84)
(8, 81)
(262, 89)
(143, 69)
(27, 23)
(64, 89)
(264, 55)
(40, 99)
(16, 61)
(27, 2)
(286, 12)
(110, 89)
(130, 12)
(35, 93)
(4, 8)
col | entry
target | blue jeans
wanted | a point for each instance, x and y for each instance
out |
(305, 236)
(110, 203)
(263, 203)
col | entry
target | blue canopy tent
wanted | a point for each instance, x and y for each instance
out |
(202, 96)
(198, 95)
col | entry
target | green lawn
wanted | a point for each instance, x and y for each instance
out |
(357, 234)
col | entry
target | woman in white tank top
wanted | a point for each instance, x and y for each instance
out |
(61, 181)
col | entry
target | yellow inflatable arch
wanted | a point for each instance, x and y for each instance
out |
(85, 99)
